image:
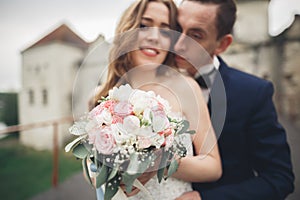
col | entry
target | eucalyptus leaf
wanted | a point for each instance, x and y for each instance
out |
(162, 165)
(172, 168)
(78, 128)
(184, 128)
(102, 176)
(191, 132)
(80, 151)
(128, 179)
(111, 187)
(72, 144)
(113, 173)
(160, 174)
(86, 170)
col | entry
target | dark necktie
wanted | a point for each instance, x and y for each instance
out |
(204, 79)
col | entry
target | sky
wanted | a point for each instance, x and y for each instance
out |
(22, 23)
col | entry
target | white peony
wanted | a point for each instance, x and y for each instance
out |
(122, 93)
(104, 117)
(120, 134)
(160, 122)
(131, 124)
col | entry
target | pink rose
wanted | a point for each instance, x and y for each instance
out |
(117, 119)
(123, 109)
(106, 105)
(110, 104)
(96, 111)
(103, 140)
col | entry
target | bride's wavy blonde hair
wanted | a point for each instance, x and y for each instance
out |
(119, 58)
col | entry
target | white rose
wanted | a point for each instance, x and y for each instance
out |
(104, 117)
(159, 123)
(147, 115)
(122, 93)
(120, 134)
(157, 140)
(131, 124)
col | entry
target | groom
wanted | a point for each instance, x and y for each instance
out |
(253, 146)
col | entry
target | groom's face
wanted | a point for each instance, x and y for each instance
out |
(199, 32)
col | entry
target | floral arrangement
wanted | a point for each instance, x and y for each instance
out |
(122, 135)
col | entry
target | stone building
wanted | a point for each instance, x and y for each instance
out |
(49, 70)
(274, 58)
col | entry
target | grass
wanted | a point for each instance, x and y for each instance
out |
(26, 172)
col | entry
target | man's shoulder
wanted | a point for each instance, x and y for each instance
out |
(242, 79)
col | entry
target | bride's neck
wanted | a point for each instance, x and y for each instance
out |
(140, 77)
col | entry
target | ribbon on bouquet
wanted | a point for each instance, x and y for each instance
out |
(120, 195)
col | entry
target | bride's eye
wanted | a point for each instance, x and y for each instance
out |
(165, 32)
(143, 26)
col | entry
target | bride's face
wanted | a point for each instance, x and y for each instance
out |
(153, 37)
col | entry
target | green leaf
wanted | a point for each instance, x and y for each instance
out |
(128, 179)
(80, 151)
(112, 187)
(136, 167)
(160, 174)
(113, 173)
(86, 170)
(102, 176)
(74, 143)
(172, 168)
(162, 165)
(191, 132)
(184, 128)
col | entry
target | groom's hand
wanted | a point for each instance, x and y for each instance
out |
(193, 195)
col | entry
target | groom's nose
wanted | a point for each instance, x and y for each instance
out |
(180, 45)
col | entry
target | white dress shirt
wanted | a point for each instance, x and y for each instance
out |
(205, 70)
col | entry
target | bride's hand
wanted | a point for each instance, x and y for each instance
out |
(144, 178)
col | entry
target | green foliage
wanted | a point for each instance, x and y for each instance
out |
(80, 151)
(163, 164)
(9, 108)
(103, 175)
(26, 172)
(172, 168)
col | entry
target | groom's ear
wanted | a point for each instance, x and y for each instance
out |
(224, 43)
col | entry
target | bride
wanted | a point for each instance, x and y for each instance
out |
(141, 56)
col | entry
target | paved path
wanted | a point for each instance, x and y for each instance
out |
(76, 188)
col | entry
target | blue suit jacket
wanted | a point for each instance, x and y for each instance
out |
(253, 147)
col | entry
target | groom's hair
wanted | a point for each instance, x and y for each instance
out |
(226, 15)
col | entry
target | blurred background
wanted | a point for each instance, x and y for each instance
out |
(44, 44)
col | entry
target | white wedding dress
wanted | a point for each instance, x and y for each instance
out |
(171, 188)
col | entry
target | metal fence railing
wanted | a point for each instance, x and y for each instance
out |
(55, 124)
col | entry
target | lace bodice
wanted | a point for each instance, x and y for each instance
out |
(171, 188)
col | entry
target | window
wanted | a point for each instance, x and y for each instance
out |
(31, 97)
(45, 96)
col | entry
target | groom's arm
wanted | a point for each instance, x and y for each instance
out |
(269, 157)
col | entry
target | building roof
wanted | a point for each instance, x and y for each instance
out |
(63, 34)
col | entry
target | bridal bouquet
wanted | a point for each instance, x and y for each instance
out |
(123, 135)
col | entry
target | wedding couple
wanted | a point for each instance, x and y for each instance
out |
(244, 157)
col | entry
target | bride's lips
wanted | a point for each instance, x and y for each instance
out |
(149, 51)
(179, 59)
